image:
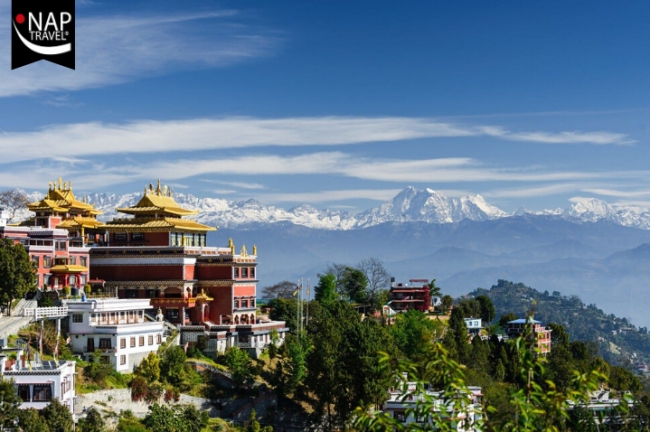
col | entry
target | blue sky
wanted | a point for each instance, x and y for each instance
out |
(340, 104)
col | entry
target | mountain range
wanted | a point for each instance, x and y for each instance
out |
(410, 205)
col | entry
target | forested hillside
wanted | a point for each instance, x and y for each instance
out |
(618, 340)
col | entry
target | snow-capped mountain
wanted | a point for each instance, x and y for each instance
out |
(410, 205)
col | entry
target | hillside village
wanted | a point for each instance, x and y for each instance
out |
(135, 323)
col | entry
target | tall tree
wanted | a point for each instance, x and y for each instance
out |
(458, 329)
(17, 276)
(93, 421)
(355, 285)
(240, 365)
(414, 333)
(434, 291)
(325, 291)
(284, 289)
(488, 312)
(9, 403)
(378, 279)
(58, 417)
(13, 200)
(30, 420)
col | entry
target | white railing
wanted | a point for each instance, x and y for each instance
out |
(251, 344)
(46, 312)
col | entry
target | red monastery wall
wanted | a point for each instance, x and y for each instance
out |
(136, 273)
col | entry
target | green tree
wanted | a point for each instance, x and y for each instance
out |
(414, 333)
(284, 310)
(30, 420)
(355, 285)
(434, 291)
(172, 365)
(58, 417)
(459, 332)
(96, 369)
(622, 379)
(17, 276)
(559, 335)
(9, 403)
(506, 318)
(239, 364)
(149, 368)
(284, 289)
(325, 291)
(488, 312)
(93, 421)
(447, 302)
(253, 424)
(177, 419)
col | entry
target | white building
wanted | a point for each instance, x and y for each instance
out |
(39, 382)
(117, 328)
(400, 405)
(473, 325)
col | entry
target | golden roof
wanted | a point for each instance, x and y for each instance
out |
(156, 201)
(61, 199)
(153, 224)
(68, 268)
(80, 222)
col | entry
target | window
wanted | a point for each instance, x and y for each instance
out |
(23, 393)
(252, 272)
(151, 340)
(399, 416)
(158, 339)
(253, 303)
(83, 261)
(73, 260)
(77, 318)
(132, 342)
(61, 245)
(236, 272)
(172, 314)
(119, 236)
(137, 237)
(244, 303)
(236, 303)
(131, 293)
(104, 343)
(123, 343)
(141, 341)
(244, 272)
(35, 261)
(152, 293)
(47, 261)
(122, 359)
(42, 393)
(82, 280)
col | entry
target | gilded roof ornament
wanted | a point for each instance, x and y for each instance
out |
(255, 250)
(231, 245)
(158, 188)
(243, 252)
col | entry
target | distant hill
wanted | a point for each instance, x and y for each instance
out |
(617, 339)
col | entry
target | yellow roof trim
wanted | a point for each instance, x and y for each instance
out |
(68, 268)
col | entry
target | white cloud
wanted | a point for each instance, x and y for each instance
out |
(86, 139)
(241, 185)
(330, 195)
(619, 193)
(117, 49)
(553, 189)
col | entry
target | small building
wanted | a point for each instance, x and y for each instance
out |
(543, 334)
(399, 402)
(38, 382)
(412, 295)
(474, 326)
(116, 328)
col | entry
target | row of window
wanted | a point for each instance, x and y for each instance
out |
(244, 272)
(73, 280)
(245, 303)
(48, 260)
(112, 317)
(140, 341)
(39, 393)
(184, 239)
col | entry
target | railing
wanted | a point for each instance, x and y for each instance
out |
(251, 344)
(46, 312)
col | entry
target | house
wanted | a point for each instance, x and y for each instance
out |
(117, 329)
(412, 295)
(543, 334)
(474, 326)
(38, 382)
(399, 402)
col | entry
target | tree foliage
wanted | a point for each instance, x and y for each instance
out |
(13, 200)
(93, 421)
(9, 403)
(58, 417)
(284, 289)
(239, 364)
(325, 291)
(30, 420)
(377, 278)
(17, 276)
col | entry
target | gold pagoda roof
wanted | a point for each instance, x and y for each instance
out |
(61, 199)
(157, 201)
(80, 222)
(68, 268)
(156, 224)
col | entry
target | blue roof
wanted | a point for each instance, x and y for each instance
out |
(524, 321)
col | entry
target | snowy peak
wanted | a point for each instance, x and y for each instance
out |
(409, 205)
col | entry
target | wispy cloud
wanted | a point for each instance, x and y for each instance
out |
(84, 139)
(553, 189)
(330, 195)
(153, 45)
(241, 185)
(619, 193)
